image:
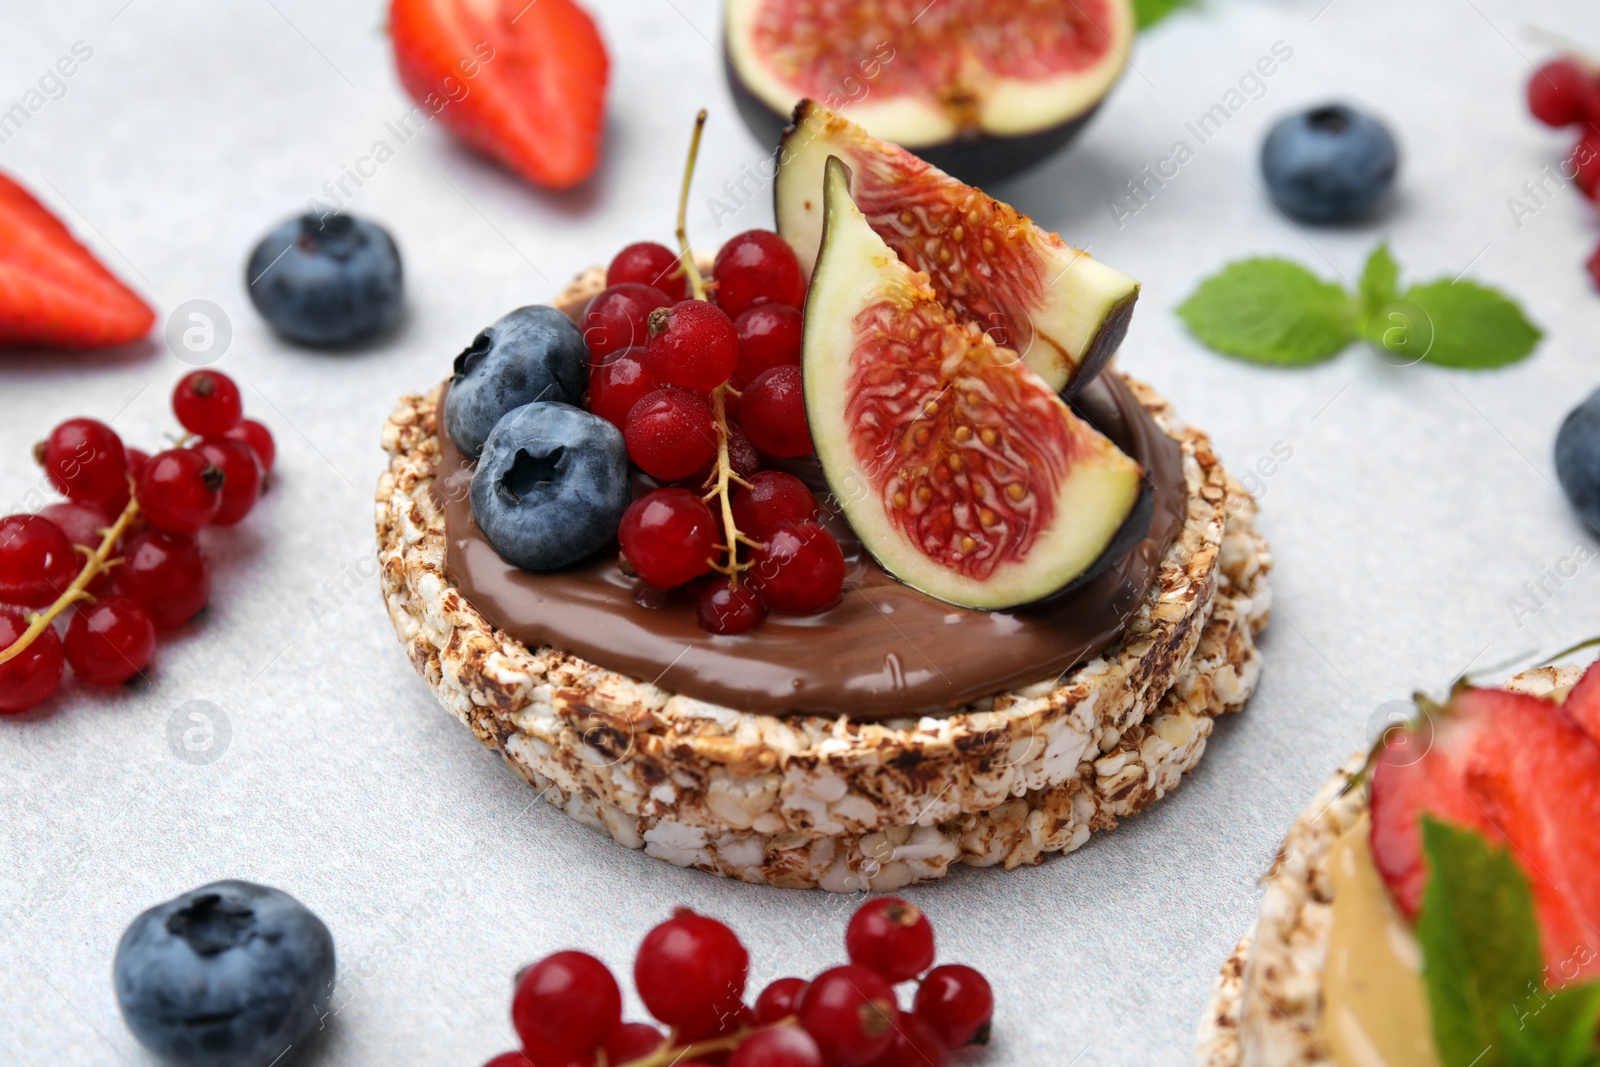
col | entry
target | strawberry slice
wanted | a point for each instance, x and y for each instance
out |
(1518, 770)
(523, 81)
(52, 289)
(1583, 703)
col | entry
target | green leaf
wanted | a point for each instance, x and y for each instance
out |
(1480, 944)
(1474, 327)
(1380, 281)
(1271, 311)
(1150, 12)
(1553, 1029)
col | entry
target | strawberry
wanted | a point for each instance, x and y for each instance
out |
(52, 289)
(1583, 703)
(1518, 770)
(523, 81)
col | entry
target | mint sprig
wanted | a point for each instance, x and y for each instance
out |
(1483, 967)
(1273, 311)
(1149, 12)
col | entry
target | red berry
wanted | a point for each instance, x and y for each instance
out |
(892, 937)
(649, 263)
(510, 1059)
(915, 1045)
(773, 412)
(180, 490)
(757, 267)
(259, 438)
(567, 1004)
(690, 972)
(670, 434)
(1585, 164)
(110, 641)
(799, 568)
(166, 574)
(28, 678)
(957, 1003)
(850, 1011)
(37, 562)
(619, 381)
(743, 459)
(241, 477)
(772, 497)
(84, 523)
(727, 609)
(207, 402)
(632, 1041)
(1559, 93)
(669, 537)
(769, 336)
(85, 460)
(781, 1046)
(137, 458)
(616, 318)
(779, 1000)
(692, 344)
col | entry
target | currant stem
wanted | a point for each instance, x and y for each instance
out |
(79, 589)
(730, 529)
(669, 1054)
(697, 283)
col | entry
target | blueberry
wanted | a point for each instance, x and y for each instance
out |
(534, 353)
(227, 975)
(552, 485)
(1330, 164)
(1578, 459)
(328, 281)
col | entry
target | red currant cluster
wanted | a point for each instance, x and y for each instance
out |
(691, 973)
(122, 547)
(1566, 92)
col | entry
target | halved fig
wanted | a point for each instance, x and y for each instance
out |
(963, 473)
(1064, 311)
(983, 88)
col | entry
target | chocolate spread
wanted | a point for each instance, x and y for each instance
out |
(883, 650)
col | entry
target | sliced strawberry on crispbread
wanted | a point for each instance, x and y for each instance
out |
(53, 291)
(523, 82)
(1519, 770)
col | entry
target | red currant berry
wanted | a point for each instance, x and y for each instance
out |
(510, 1059)
(773, 412)
(850, 1011)
(779, 1000)
(799, 568)
(769, 336)
(137, 458)
(670, 434)
(85, 460)
(619, 381)
(259, 438)
(781, 1046)
(757, 267)
(728, 609)
(1560, 93)
(692, 344)
(772, 497)
(166, 574)
(207, 402)
(690, 972)
(1585, 164)
(37, 562)
(743, 459)
(180, 490)
(915, 1045)
(668, 537)
(110, 641)
(28, 678)
(567, 1004)
(616, 318)
(632, 1041)
(84, 523)
(649, 263)
(957, 1003)
(892, 937)
(241, 477)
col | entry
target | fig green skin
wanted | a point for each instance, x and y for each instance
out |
(977, 160)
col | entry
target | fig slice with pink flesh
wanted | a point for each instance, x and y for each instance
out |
(962, 471)
(1063, 310)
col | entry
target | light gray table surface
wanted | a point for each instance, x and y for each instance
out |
(1414, 506)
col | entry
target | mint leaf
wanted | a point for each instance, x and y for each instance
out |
(1480, 944)
(1553, 1029)
(1474, 327)
(1150, 12)
(1271, 311)
(1380, 281)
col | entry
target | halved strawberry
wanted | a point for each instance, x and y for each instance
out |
(52, 289)
(1516, 769)
(523, 81)
(1583, 703)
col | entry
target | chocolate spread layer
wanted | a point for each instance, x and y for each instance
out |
(883, 650)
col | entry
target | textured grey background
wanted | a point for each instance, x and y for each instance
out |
(1415, 504)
